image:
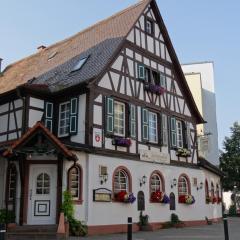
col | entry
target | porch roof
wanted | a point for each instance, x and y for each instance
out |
(50, 136)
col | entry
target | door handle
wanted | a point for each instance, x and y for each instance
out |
(31, 194)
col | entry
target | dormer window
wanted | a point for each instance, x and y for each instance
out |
(149, 26)
(79, 64)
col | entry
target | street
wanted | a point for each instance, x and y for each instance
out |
(214, 231)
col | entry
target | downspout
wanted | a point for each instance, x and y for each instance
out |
(87, 192)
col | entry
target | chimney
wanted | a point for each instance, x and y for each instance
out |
(40, 48)
(1, 65)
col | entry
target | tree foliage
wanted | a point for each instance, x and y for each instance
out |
(230, 159)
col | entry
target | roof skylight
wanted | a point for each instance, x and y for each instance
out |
(79, 64)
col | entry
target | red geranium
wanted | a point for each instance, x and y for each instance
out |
(156, 196)
(120, 196)
(182, 199)
(214, 200)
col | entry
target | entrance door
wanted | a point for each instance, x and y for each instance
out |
(42, 194)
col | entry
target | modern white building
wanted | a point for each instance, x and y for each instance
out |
(107, 115)
(200, 79)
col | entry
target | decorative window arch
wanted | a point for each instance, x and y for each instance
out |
(75, 182)
(156, 182)
(184, 187)
(122, 180)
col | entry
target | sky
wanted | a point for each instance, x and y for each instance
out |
(206, 30)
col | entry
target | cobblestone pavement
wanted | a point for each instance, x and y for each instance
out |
(213, 232)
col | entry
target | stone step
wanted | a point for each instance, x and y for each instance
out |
(34, 228)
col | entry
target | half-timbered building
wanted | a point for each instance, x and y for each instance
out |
(106, 114)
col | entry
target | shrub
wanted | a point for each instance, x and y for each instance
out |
(175, 219)
(232, 210)
(77, 228)
(7, 216)
(143, 219)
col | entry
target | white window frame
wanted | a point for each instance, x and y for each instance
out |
(66, 134)
(149, 26)
(156, 183)
(71, 182)
(179, 131)
(118, 183)
(153, 138)
(118, 127)
(183, 186)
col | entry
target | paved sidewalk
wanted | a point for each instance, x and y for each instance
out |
(213, 232)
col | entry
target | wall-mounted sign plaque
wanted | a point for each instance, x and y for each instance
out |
(102, 195)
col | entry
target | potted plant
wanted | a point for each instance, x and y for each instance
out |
(7, 216)
(125, 197)
(144, 223)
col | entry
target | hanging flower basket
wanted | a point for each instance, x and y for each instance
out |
(183, 152)
(123, 142)
(159, 197)
(186, 199)
(125, 197)
(154, 88)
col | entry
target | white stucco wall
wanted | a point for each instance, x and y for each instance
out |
(109, 213)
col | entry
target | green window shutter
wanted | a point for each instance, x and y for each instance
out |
(74, 116)
(109, 115)
(145, 124)
(48, 109)
(173, 132)
(164, 129)
(132, 120)
(141, 72)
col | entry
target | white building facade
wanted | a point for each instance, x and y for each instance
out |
(109, 117)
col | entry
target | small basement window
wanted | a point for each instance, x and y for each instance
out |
(79, 64)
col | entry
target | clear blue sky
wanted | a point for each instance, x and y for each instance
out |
(200, 30)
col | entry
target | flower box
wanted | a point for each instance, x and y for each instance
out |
(154, 88)
(125, 197)
(183, 152)
(159, 197)
(186, 199)
(123, 142)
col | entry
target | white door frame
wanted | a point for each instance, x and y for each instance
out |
(42, 197)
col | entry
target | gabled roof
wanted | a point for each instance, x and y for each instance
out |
(53, 139)
(115, 28)
(52, 66)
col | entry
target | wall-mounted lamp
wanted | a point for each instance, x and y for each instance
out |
(200, 186)
(143, 180)
(174, 183)
(103, 178)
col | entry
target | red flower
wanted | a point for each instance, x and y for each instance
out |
(214, 200)
(156, 196)
(182, 199)
(120, 196)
